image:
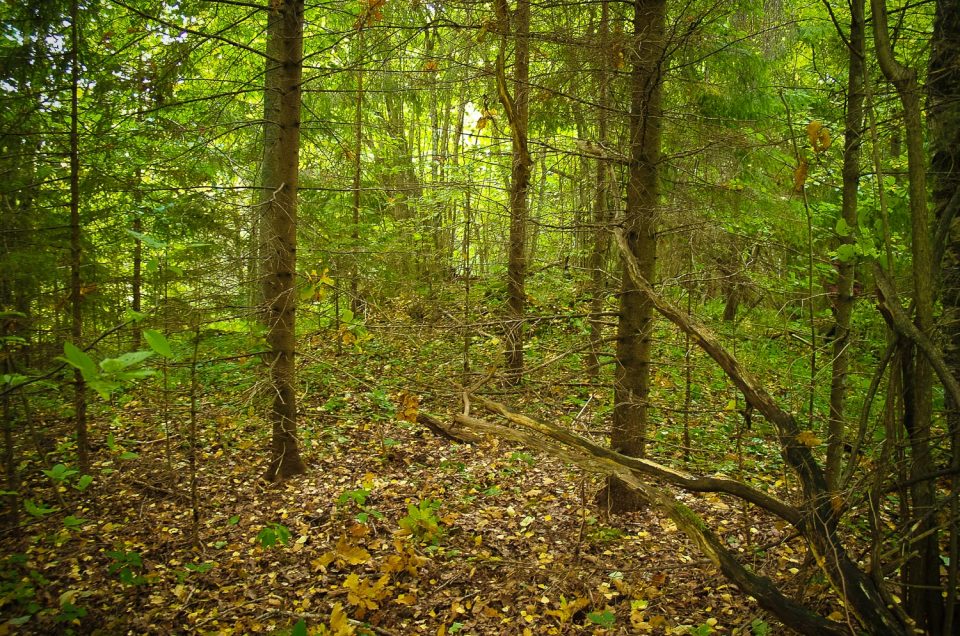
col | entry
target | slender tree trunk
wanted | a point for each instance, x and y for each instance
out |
(601, 202)
(76, 325)
(517, 111)
(280, 180)
(632, 379)
(924, 602)
(357, 175)
(136, 283)
(846, 268)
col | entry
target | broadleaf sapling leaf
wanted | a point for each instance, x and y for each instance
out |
(158, 342)
(76, 358)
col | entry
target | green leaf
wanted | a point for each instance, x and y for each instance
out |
(147, 240)
(267, 537)
(846, 252)
(103, 387)
(37, 510)
(73, 522)
(158, 342)
(300, 629)
(134, 316)
(346, 316)
(606, 618)
(12, 379)
(121, 362)
(59, 473)
(842, 229)
(128, 455)
(83, 483)
(80, 360)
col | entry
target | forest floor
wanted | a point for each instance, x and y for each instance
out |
(392, 531)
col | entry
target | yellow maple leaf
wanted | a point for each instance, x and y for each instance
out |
(339, 623)
(349, 553)
(813, 133)
(406, 599)
(408, 407)
(808, 438)
(567, 609)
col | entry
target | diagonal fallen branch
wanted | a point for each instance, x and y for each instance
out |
(862, 596)
(583, 453)
(899, 322)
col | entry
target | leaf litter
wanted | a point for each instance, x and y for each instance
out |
(393, 531)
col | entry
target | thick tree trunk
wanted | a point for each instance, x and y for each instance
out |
(632, 376)
(924, 601)
(517, 110)
(846, 268)
(943, 123)
(279, 231)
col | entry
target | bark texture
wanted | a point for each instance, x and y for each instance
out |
(635, 325)
(279, 229)
(924, 603)
(76, 297)
(517, 108)
(943, 125)
(846, 267)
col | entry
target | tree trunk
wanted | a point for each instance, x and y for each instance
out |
(632, 379)
(862, 595)
(846, 267)
(136, 283)
(943, 123)
(279, 236)
(924, 603)
(76, 324)
(601, 202)
(355, 305)
(517, 111)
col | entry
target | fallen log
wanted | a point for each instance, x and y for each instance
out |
(863, 597)
(582, 453)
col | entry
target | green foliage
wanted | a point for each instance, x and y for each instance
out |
(273, 534)
(113, 373)
(158, 342)
(127, 566)
(421, 521)
(19, 585)
(605, 618)
(193, 568)
(359, 498)
(37, 510)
